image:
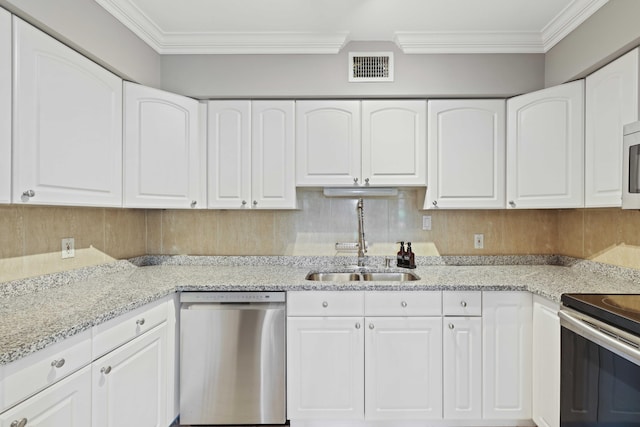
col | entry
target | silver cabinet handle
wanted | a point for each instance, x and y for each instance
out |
(255, 203)
(244, 202)
(194, 203)
(29, 193)
(19, 423)
(403, 303)
(58, 363)
(355, 181)
(512, 203)
(357, 325)
(140, 322)
(451, 326)
(463, 303)
(106, 370)
(435, 203)
(371, 326)
(325, 304)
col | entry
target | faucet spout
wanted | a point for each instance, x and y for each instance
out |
(361, 241)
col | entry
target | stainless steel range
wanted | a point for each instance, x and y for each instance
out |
(600, 366)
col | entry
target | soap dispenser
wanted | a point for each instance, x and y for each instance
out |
(409, 257)
(400, 258)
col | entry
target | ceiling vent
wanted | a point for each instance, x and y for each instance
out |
(370, 66)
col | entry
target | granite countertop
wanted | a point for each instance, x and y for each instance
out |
(36, 315)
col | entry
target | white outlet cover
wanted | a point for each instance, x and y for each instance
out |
(68, 248)
(426, 222)
(478, 241)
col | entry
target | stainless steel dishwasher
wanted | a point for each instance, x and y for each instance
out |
(232, 358)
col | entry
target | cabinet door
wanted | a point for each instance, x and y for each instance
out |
(394, 142)
(5, 106)
(68, 125)
(66, 403)
(403, 369)
(164, 153)
(327, 143)
(611, 101)
(466, 152)
(545, 148)
(506, 349)
(229, 154)
(325, 368)
(546, 363)
(462, 349)
(273, 155)
(129, 383)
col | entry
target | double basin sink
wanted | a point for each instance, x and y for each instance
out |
(367, 276)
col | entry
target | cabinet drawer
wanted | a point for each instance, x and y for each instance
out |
(124, 328)
(462, 303)
(412, 303)
(26, 376)
(325, 303)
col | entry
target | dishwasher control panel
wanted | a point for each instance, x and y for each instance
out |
(232, 297)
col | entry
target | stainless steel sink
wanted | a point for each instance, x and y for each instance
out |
(388, 276)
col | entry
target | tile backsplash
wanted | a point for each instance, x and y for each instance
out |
(31, 235)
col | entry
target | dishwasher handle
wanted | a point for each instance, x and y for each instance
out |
(232, 297)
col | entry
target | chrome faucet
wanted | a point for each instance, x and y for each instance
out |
(361, 242)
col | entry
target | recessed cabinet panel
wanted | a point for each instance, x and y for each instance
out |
(68, 125)
(327, 142)
(165, 162)
(5, 106)
(466, 154)
(545, 148)
(611, 102)
(394, 142)
(229, 153)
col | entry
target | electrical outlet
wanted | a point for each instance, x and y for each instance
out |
(478, 241)
(426, 222)
(68, 248)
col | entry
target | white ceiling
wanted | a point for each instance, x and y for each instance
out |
(325, 26)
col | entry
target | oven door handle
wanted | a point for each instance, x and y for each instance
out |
(611, 342)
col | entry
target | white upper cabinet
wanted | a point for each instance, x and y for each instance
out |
(67, 125)
(611, 102)
(273, 177)
(5, 106)
(164, 150)
(394, 142)
(327, 143)
(251, 155)
(545, 148)
(466, 152)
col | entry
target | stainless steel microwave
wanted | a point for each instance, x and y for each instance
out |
(631, 167)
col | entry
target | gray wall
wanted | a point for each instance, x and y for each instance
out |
(88, 28)
(607, 34)
(300, 76)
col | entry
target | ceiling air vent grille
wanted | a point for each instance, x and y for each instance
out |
(370, 66)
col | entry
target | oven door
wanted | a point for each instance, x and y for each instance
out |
(599, 374)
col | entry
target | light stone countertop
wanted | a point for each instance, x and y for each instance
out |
(39, 316)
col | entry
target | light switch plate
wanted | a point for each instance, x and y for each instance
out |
(68, 248)
(426, 222)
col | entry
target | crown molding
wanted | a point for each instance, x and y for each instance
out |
(222, 42)
(426, 42)
(568, 20)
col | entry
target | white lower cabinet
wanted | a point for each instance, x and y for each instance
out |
(66, 403)
(546, 363)
(129, 383)
(506, 349)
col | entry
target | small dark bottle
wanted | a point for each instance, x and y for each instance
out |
(410, 257)
(400, 262)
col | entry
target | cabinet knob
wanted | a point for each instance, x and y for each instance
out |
(512, 203)
(19, 423)
(244, 202)
(140, 322)
(403, 303)
(357, 325)
(451, 326)
(106, 370)
(371, 326)
(355, 181)
(194, 203)
(325, 304)
(435, 203)
(29, 193)
(255, 203)
(366, 181)
(463, 303)
(58, 363)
